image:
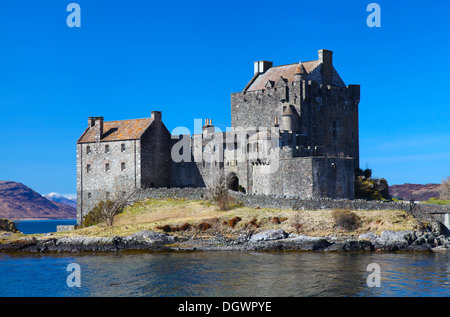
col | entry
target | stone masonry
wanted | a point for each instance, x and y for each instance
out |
(294, 133)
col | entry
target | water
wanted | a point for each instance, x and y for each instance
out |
(225, 274)
(42, 226)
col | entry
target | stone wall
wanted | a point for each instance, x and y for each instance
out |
(103, 168)
(175, 193)
(295, 203)
(328, 114)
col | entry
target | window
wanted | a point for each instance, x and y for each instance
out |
(106, 148)
(88, 149)
(107, 167)
(107, 195)
(335, 129)
(122, 147)
(122, 166)
(88, 168)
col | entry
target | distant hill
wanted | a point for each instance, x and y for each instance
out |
(419, 192)
(55, 197)
(18, 201)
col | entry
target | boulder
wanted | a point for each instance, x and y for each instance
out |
(151, 237)
(269, 235)
(306, 243)
(351, 245)
(389, 240)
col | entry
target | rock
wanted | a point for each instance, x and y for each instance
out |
(269, 235)
(441, 248)
(306, 243)
(371, 236)
(9, 226)
(151, 237)
(351, 245)
(389, 240)
(419, 247)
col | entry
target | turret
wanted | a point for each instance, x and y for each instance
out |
(290, 119)
(300, 72)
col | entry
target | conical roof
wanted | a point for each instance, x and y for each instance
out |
(300, 69)
(290, 111)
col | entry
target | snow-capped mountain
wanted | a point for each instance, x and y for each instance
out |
(69, 200)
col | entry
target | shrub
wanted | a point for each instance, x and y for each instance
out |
(367, 173)
(232, 222)
(275, 220)
(444, 189)
(224, 202)
(346, 219)
(95, 216)
(184, 227)
(165, 228)
(295, 222)
(203, 226)
(253, 224)
(241, 189)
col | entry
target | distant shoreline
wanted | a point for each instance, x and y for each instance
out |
(30, 219)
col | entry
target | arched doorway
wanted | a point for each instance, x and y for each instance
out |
(233, 182)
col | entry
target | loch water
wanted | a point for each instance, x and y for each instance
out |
(224, 274)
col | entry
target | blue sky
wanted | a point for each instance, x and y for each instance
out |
(184, 58)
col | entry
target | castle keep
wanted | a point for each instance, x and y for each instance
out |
(294, 133)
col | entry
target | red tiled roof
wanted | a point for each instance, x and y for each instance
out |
(119, 130)
(285, 71)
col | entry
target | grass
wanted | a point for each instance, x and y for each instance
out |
(151, 214)
(436, 201)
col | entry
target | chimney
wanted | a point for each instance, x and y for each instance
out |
(98, 128)
(326, 59)
(262, 66)
(156, 115)
(208, 127)
(91, 122)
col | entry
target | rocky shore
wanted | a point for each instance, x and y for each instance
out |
(269, 240)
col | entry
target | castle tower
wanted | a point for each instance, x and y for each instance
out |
(290, 119)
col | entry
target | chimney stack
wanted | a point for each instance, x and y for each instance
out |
(208, 127)
(156, 115)
(326, 59)
(97, 124)
(91, 122)
(262, 66)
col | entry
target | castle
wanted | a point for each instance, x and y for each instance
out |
(294, 133)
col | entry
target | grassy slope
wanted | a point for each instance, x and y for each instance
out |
(436, 201)
(151, 213)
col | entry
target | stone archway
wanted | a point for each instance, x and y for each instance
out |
(233, 182)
